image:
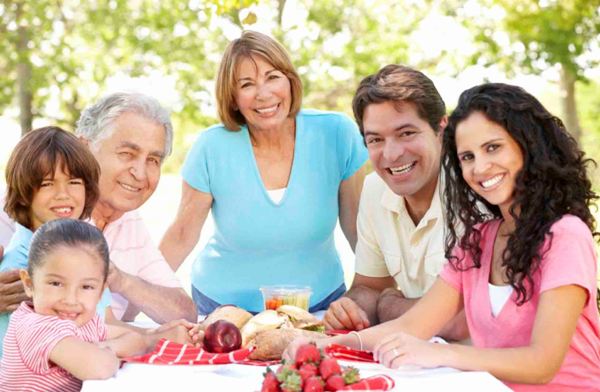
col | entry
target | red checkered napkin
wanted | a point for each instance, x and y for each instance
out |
(344, 352)
(374, 383)
(169, 353)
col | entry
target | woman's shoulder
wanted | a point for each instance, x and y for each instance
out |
(319, 116)
(571, 225)
(217, 135)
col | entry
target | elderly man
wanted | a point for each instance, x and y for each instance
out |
(400, 248)
(130, 135)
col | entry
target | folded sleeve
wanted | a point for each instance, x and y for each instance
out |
(569, 256)
(369, 258)
(195, 170)
(352, 153)
(38, 337)
(451, 275)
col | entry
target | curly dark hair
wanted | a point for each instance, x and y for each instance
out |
(553, 182)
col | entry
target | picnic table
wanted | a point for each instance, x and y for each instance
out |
(236, 377)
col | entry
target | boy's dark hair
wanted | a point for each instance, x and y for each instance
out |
(68, 233)
(35, 157)
(398, 83)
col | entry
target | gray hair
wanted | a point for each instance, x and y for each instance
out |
(96, 120)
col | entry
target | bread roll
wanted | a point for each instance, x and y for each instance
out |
(270, 345)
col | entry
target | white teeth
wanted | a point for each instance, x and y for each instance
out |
(267, 110)
(129, 188)
(63, 210)
(402, 169)
(492, 181)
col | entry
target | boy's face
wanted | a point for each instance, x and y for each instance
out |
(404, 150)
(68, 284)
(59, 196)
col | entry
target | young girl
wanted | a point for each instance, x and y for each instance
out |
(58, 339)
(525, 269)
(50, 174)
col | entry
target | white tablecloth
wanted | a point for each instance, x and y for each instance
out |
(225, 378)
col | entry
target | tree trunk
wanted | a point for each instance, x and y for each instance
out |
(23, 76)
(568, 102)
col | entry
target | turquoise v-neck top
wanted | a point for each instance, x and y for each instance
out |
(258, 242)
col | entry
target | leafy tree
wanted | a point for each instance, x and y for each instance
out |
(66, 50)
(535, 35)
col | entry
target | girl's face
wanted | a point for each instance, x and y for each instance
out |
(59, 196)
(67, 284)
(490, 159)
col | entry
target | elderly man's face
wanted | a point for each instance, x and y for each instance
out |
(130, 160)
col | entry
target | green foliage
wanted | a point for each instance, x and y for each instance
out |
(589, 107)
(532, 35)
(341, 41)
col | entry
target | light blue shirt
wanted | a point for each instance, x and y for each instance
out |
(16, 257)
(258, 242)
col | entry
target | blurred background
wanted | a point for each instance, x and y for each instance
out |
(57, 56)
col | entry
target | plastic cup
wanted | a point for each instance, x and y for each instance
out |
(275, 296)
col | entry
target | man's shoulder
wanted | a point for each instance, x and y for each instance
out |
(374, 188)
(128, 231)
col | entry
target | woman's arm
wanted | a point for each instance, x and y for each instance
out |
(181, 237)
(555, 322)
(349, 196)
(425, 319)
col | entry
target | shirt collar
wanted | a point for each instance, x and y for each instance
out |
(395, 203)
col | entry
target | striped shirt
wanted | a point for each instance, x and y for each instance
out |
(30, 339)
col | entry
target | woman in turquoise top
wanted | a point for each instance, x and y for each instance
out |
(276, 178)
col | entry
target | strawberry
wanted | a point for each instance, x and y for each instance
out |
(350, 375)
(313, 384)
(308, 353)
(335, 383)
(270, 383)
(308, 370)
(328, 367)
(286, 367)
(292, 382)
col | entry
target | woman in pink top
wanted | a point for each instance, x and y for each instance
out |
(525, 270)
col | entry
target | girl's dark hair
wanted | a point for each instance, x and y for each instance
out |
(553, 181)
(35, 157)
(69, 233)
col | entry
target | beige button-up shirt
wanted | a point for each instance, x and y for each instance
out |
(389, 243)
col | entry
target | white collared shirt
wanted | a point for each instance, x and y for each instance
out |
(389, 243)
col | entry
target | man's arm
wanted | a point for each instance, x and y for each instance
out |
(393, 304)
(357, 309)
(160, 303)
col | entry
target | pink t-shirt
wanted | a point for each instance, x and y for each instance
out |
(28, 342)
(571, 259)
(132, 251)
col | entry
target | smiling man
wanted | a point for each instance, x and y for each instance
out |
(400, 248)
(130, 135)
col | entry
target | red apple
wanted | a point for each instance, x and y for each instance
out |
(222, 337)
